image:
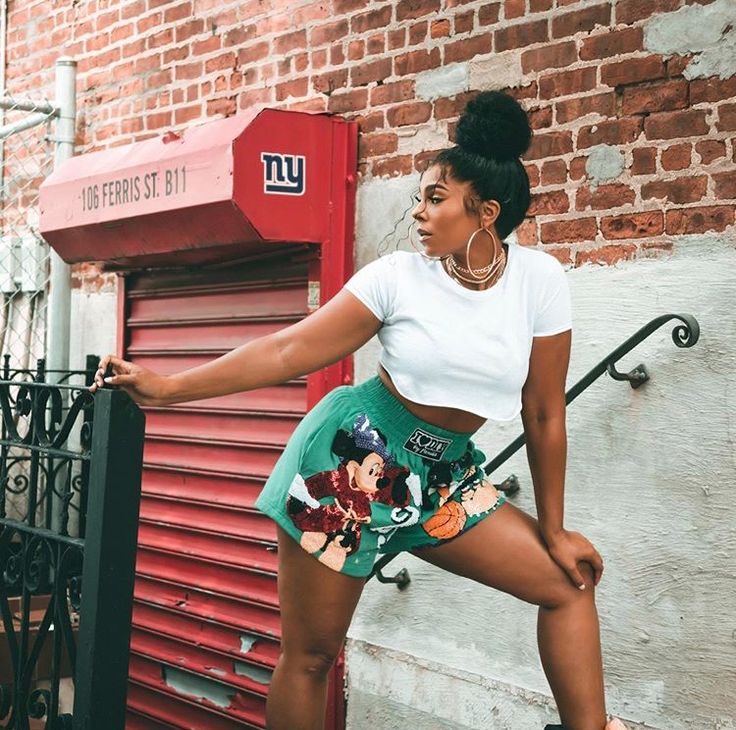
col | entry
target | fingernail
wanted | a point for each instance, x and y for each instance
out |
(107, 380)
(582, 587)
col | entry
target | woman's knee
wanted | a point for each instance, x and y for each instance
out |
(562, 592)
(314, 660)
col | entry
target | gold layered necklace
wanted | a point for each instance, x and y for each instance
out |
(488, 275)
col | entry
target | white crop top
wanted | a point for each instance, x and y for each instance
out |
(445, 345)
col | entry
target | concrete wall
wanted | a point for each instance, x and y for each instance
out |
(650, 481)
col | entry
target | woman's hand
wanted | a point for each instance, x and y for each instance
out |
(568, 548)
(144, 386)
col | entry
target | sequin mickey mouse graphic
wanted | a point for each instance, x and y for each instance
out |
(332, 507)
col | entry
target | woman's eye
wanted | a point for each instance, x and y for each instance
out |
(434, 201)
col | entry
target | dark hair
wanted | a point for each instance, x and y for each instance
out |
(492, 134)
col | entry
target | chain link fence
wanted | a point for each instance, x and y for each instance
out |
(26, 158)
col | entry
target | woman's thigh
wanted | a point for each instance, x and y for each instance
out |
(506, 551)
(316, 602)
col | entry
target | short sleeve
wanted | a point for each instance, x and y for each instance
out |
(375, 286)
(554, 308)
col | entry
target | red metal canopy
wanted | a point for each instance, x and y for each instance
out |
(223, 189)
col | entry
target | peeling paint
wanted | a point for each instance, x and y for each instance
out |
(427, 137)
(604, 163)
(499, 72)
(247, 642)
(192, 685)
(257, 674)
(708, 31)
(442, 82)
(216, 671)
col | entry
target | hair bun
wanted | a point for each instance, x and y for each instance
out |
(494, 125)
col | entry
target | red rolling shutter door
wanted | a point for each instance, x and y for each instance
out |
(205, 622)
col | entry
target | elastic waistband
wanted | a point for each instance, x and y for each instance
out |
(415, 435)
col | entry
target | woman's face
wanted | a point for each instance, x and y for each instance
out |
(442, 223)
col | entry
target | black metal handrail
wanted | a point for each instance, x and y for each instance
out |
(684, 335)
(70, 474)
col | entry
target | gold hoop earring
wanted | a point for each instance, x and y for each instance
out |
(482, 272)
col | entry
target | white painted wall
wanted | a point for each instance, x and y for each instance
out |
(650, 481)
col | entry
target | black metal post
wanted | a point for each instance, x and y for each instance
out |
(109, 563)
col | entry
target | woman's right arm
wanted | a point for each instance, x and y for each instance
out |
(334, 331)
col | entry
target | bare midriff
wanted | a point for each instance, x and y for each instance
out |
(451, 419)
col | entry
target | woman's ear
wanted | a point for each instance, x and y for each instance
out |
(489, 212)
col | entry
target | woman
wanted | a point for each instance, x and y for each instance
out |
(472, 328)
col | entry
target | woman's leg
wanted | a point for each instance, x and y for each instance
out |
(506, 551)
(317, 604)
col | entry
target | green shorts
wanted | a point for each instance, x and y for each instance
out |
(362, 476)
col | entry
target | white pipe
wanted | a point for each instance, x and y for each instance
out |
(59, 307)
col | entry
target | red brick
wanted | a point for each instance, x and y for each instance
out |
(539, 6)
(540, 118)
(464, 22)
(577, 168)
(581, 21)
(679, 190)
(356, 50)
(604, 197)
(554, 172)
(392, 166)
(522, 92)
(413, 113)
(418, 33)
(606, 255)
(253, 54)
(374, 145)
(328, 33)
(489, 13)
(665, 96)
(726, 117)
(375, 44)
(645, 161)
(566, 83)
(527, 233)
(551, 203)
(523, 34)
(633, 225)
(632, 71)
(699, 220)
(467, 48)
(612, 43)
(396, 38)
(532, 172)
(725, 185)
(371, 20)
(570, 110)
(555, 56)
(373, 71)
(409, 9)
(416, 61)
(712, 89)
(239, 35)
(337, 54)
(580, 229)
(676, 65)
(370, 122)
(424, 159)
(629, 11)
(669, 125)
(327, 82)
(710, 150)
(614, 132)
(296, 88)
(677, 157)
(184, 31)
(440, 28)
(178, 12)
(218, 63)
(351, 101)
(452, 106)
(391, 93)
(514, 9)
(549, 145)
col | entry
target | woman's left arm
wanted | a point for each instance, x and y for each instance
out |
(543, 416)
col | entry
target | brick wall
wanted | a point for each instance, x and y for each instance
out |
(631, 147)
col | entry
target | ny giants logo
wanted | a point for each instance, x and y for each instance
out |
(283, 174)
(427, 445)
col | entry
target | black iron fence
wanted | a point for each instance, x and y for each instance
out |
(70, 474)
